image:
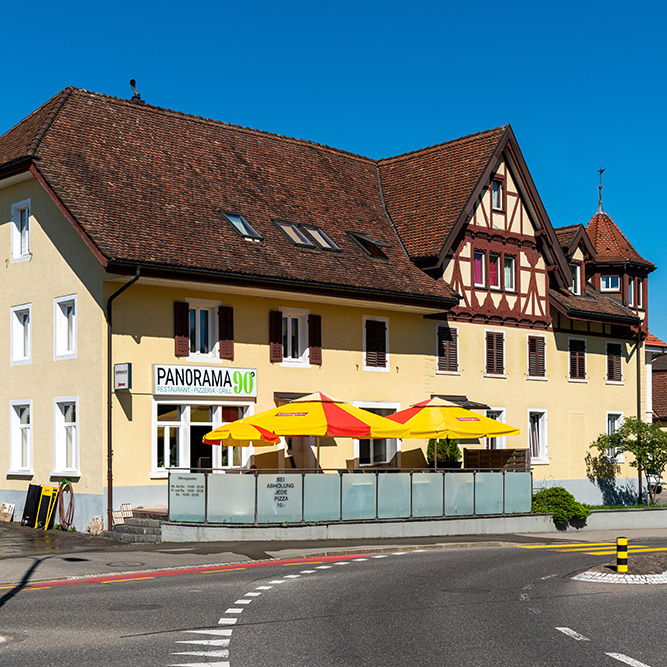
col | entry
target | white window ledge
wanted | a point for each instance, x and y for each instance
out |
(539, 462)
(537, 377)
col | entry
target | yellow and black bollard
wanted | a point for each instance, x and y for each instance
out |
(622, 554)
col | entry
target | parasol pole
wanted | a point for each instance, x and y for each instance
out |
(317, 439)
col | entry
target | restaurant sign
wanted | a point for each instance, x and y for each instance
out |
(204, 380)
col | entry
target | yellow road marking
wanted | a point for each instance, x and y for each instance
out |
(576, 544)
(630, 550)
(588, 548)
(37, 588)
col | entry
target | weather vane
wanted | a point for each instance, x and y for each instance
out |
(600, 209)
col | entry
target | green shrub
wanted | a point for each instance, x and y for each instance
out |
(448, 450)
(560, 503)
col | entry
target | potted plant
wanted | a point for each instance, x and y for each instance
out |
(449, 454)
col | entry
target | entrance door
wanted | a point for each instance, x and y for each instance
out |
(201, 422)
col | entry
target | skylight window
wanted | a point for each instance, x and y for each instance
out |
(294, 234)
(243, 227)
(321, 238)
(372, 246)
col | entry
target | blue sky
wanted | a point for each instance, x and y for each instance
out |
(582, 83)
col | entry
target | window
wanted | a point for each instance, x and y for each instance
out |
(610, 283)
(575, 287)
(295, 337)
(294, 234)
(64, 342)
(20, 437)
(21, 231)
(203, 330)
(65, 437)
(21, 333)
(371, 246)
(494, 271)
(614, 422)
(499, 415)
(614, 362)
(508, 264)
(375, 344)
(537, 436)
(478, 269)
(640, 292)
(577, 359)
(321, 238)
(378, 451)
(448, 358)
(631, 292)
(178, 430)
(497, 195)
(495, 355)
(536, 357)
(243, 227)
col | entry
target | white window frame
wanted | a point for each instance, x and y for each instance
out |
(61, 327)
(183, 425)
(375, 369)
(640, 293)
(512, 287)
(21, 334)
(60, 468)
(631, 292)
(458, 351)
(612, 455)
(18, 255)
(575, 287)
(500, 270)
(546, 370)
(543, 458)
(585, 342)
(15, 439)
(483, 281)
(497, 194)
(301, 315)
(609, 287)
(378, 405)
(499, 441)
(214, 339)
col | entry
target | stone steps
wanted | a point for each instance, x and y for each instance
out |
(137, 529)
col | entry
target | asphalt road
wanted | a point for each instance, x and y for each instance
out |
(454, 606)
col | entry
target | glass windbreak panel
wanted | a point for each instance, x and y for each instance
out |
(358, 496)
(168, 413)
(427, 494)
(200, 414)
(489, 493)
(321, 497)
(518, 492)
(458, 494)
(231, 498)
(187, 497)
(279, 498)
(393, 495)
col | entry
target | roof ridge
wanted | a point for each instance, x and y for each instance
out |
(212, 121)
(464, 139)
(576, 224)
(48, 121)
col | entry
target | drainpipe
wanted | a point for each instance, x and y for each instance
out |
(639, 404)
(110, 300)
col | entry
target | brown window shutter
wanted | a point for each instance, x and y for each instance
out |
(315, 338)
(541, 364)
(376, 347)
(226, 331)
(181, 329)
(500, 354)
(490, 346)
(453, 355)
(532, 356)
(577, 360)
(447, 349)
(275, 336)
(614, 362)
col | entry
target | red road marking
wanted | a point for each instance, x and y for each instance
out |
(104, 579)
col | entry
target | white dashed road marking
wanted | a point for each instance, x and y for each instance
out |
(205, 642)
(220, 633)
(575, 635)
(627, 660)
(243, 602)
(292, 576)
(277, 581)
(264, 588)
(307, 571)
(252, 594)
(227, 621)
(323, 567)
(234, 610)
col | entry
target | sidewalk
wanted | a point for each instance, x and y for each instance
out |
(28, 555)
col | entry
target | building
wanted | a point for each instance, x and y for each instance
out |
(231, 269)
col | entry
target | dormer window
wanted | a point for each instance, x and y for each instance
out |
(497, 195)
(631, 292)
(243, 227)
(640, 292)
(372, 246)
(321, 238)
(294, 234)
(575, 286)
(610, 283)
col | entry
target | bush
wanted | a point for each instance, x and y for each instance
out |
(448, 450)
(560, 503)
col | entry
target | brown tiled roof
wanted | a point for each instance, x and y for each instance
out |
(565, 235)
(426, 191)
(147, 186)
(654, 341)
(660, 364)
(610, 243)
(659, 389)
(592, 305)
